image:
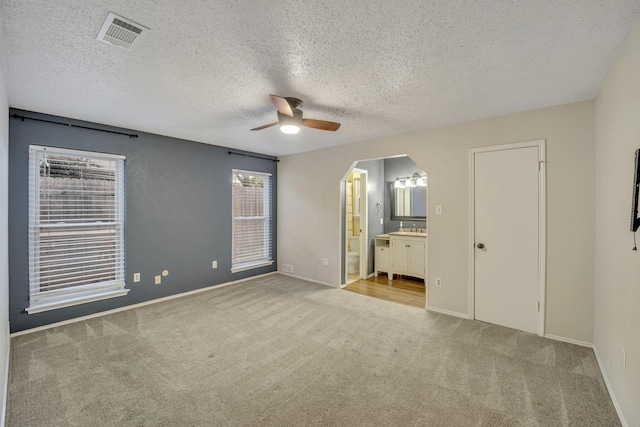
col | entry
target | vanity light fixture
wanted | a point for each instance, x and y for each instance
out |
(416, 180)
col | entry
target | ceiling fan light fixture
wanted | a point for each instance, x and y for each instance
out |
(290, 129)
(290, 125)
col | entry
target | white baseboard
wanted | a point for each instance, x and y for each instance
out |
(569, 340)
(308, 280)
(448, 312)
(616, 405)
(5, 386)
(141, 304)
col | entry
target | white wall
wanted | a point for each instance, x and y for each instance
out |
(617, 267)
(4, 250)
(309, 213)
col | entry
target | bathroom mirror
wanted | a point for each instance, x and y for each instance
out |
(409, 203)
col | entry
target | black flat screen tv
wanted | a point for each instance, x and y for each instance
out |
(635, 221)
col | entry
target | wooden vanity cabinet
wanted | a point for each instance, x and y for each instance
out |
(408, 255)
(400, 254)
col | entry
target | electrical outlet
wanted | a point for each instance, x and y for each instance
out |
(158, 279)
(287, 268)
(438, 282)
(624, 359)
(136, 277)
(324, 261)
(214, 264)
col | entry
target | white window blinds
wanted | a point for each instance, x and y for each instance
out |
(252, 223)
(76, 227)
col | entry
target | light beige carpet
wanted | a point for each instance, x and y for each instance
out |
(278, 351)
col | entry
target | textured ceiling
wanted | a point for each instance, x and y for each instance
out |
(206, 68)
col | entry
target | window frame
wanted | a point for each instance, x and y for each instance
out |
(40, 301)
(267, 259)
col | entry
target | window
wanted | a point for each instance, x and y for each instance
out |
(252, 243)
(76, 227)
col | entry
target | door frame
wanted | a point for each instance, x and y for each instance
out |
(542, 224)
(364, 244)
(364, 224)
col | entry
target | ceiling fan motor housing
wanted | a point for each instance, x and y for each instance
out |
(295, 120)
(293, 102)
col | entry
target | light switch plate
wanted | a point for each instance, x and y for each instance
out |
(158, 279)
(438, 209)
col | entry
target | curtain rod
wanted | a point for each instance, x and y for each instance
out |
(251, 155)
(23, 118)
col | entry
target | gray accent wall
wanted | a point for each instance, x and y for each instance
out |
(398, 167)
(375, 195)
(178, 212)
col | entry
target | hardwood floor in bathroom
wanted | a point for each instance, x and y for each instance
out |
(404, 290)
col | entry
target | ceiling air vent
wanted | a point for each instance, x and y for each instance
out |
(121, 31)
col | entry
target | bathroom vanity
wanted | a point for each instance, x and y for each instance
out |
(401, 252)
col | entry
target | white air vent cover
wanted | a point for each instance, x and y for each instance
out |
(121, 31)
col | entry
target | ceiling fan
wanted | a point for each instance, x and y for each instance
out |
(290, 117)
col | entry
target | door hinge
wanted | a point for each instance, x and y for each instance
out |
(538, 305)
(540, 162)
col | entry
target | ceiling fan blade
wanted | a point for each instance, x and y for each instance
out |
(321, 124)
(282, 104)
(265, 126)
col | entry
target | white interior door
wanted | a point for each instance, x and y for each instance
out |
(506, 226)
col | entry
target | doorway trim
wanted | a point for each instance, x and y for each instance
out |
(364, 224)
(542, 224)
(363, 261)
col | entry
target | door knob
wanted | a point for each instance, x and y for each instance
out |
(480, 245)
